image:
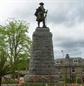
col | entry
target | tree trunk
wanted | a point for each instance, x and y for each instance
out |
(0, 80)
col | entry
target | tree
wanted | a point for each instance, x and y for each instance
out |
(14, 46)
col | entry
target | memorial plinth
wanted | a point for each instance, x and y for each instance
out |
(42, 64)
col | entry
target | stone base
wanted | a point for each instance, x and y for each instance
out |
(41, 78)
(44, 84)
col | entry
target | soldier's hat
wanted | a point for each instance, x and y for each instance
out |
(41, 3)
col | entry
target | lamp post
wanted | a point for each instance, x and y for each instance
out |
(64, 72)
(63, 53)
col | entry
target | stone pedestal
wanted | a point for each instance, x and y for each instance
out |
(42, 62)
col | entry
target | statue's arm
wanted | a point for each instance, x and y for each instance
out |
(36, 12)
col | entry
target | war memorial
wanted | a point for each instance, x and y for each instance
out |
(42, 64)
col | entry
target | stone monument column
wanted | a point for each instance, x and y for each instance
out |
(42, 58)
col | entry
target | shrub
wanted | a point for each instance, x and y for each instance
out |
(78, 80)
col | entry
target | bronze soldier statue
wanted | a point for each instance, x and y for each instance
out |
(41, 14)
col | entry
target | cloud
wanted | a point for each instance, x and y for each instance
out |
(68, 39)
(67, 13)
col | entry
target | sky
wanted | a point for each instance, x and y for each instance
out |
(65, 20)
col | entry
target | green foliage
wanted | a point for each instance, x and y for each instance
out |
(10, 81)
(68, 80)
(78, 80)
(14, 46)
(73, 80)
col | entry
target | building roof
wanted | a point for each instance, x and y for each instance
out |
(67, 61)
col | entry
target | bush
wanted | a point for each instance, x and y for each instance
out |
(69, 80)
(9, 81)
(78, 80)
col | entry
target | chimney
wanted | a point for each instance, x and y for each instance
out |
(67, 56)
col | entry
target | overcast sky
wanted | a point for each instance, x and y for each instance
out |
(65, 19)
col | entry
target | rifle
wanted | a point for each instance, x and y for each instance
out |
(45, 14)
